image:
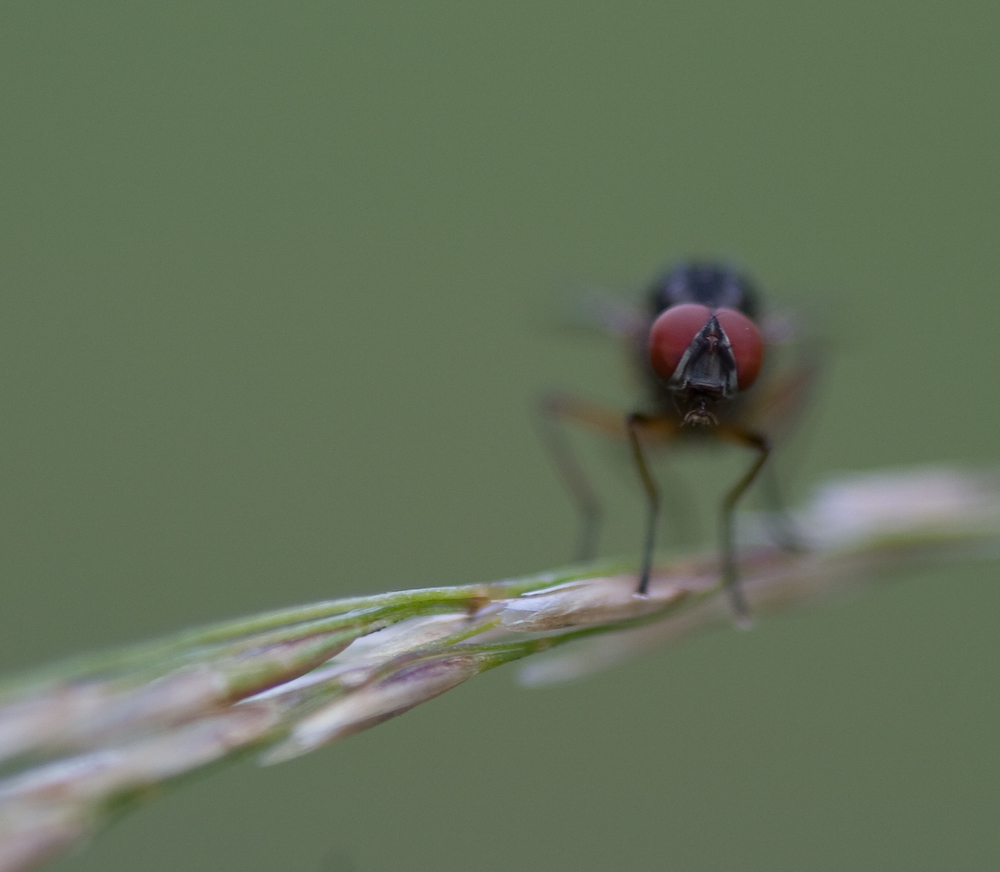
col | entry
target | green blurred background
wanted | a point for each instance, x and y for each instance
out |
(276, 297)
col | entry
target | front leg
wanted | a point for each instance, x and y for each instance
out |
(634, 425)
(730, 569)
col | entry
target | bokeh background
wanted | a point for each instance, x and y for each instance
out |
(278, 290)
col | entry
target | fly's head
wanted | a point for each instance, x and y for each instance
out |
(704, 355)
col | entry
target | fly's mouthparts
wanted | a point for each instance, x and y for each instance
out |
(700, 416)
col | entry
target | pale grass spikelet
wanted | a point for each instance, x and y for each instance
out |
(45, 809)
(861, 506)
(374, 703)
(595, 601)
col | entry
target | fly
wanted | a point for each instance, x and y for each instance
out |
(702, 353)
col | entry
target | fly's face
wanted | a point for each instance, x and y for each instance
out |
(703, 344)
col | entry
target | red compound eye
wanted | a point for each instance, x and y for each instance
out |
(675, 329)
(746, 342)
(672, 333)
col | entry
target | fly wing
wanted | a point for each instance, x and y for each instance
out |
(779, 399)
(603, 313)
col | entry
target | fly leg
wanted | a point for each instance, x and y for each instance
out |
(634, 424)
(556, 411)
(730, 569)
(779, 522)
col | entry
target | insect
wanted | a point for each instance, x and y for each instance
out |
(701, 350)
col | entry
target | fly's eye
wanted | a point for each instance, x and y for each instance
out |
(746, 342)
(671, 334)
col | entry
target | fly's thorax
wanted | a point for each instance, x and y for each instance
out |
(716, 285)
